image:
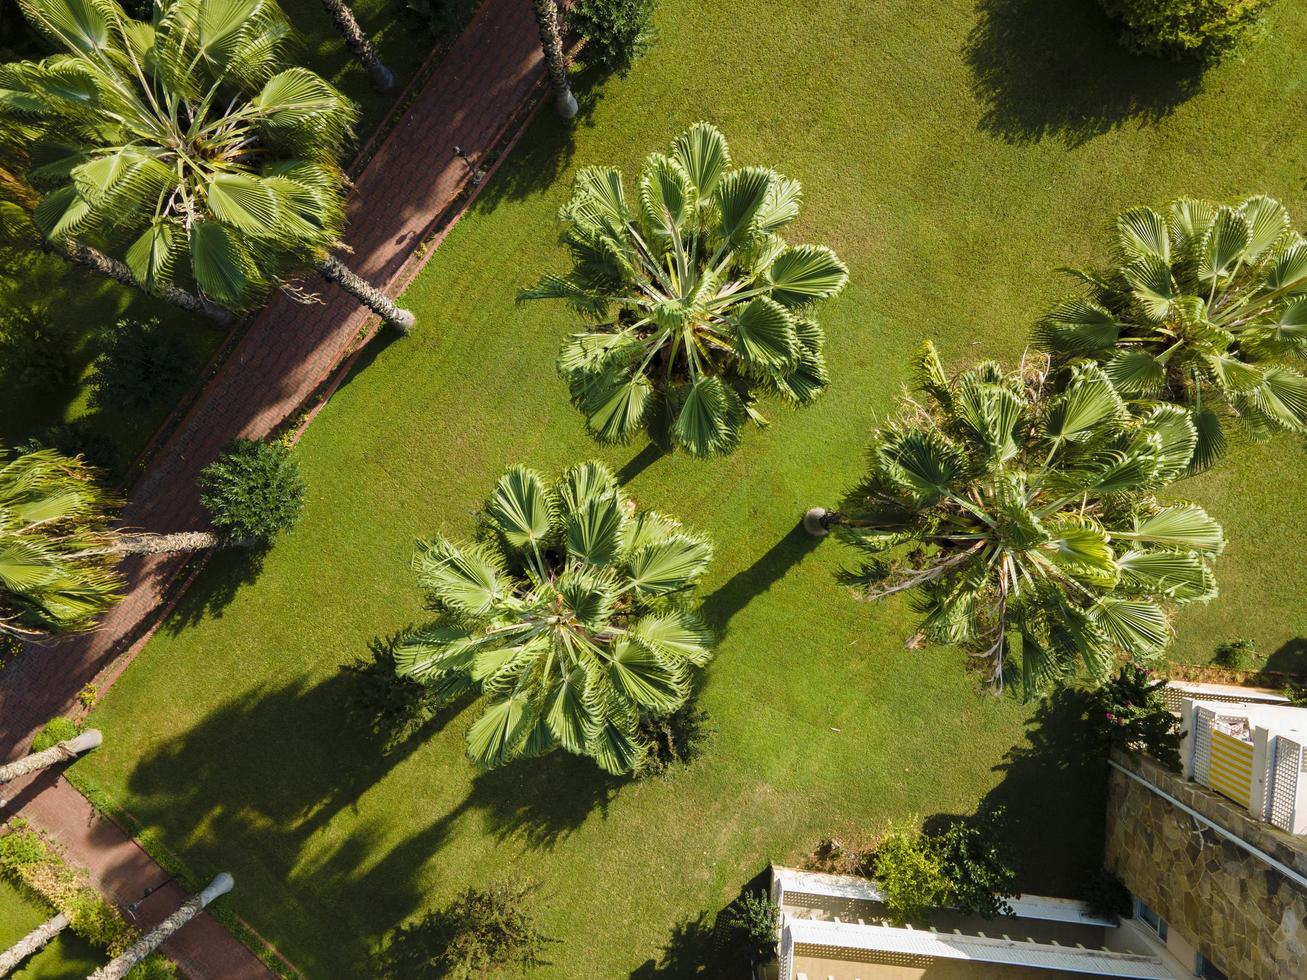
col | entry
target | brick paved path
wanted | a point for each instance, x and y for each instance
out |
(405, 195)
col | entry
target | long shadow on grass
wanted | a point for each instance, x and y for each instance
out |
(746, 585)
(1045, 69)
(1053, 797)
(1290, 657)
(699, 947)
(225, 574)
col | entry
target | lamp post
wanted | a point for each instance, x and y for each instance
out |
(120, 966)
(136, 905)
(476, 173)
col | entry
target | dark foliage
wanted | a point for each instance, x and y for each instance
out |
(1237, 655)
(1204, 30)
(1137, 717)
(675, 738)
(253, 490)
(616, 32)
(1105, 895)
(142, 367)
(979, 876)
(481, 933)
(432, 16)
(748, 927)
(34, 353)
(392, 707)
(79, 439)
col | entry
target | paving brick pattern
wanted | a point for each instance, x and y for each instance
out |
(403, 197)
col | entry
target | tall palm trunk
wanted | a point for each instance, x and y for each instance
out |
(97, 261)
(69, 748)
(334, 270)
(33, 942)
(360, 46)
(163, 544)
(119, 967)
(551, 39)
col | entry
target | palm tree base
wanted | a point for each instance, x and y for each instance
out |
(565, 103)
(814, 522)
(383, 79)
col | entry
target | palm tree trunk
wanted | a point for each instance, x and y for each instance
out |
(97, 261)
(163, 544)
(69, 748)
(334, 270)
(551, 40)
(120, 966)
(33, 942)
(360, 46)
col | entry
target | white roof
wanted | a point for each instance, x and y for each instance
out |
(981, 949)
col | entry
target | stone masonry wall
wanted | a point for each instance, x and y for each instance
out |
(1245, 916)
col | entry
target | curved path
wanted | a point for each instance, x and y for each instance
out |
(411, 191)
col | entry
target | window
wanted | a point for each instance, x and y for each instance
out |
(1206, 969)
(1151, 919)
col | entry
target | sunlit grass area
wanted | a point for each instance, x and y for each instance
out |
(953, 154)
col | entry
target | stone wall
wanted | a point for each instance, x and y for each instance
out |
(1246, 917)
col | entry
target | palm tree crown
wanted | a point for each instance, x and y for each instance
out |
(572, 615)
(694, 304)
(1205, 306)
(56, 574)
(185, 144)
(1021, 507)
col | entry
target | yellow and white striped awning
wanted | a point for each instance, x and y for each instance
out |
(1231, 772)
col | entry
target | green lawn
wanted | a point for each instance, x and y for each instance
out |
(953, 155)
(81, 306)
(66, 958)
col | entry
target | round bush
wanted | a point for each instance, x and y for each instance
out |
(80, 439)
(616, 32)
(253, 490)
(142, 367)
(56, 730)
(1204, 29)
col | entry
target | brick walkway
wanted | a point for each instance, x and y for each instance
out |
(404, 197)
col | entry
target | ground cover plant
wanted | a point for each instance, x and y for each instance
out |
(1010, 135)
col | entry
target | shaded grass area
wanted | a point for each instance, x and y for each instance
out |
(82, 308)
(68, 957)
(952, 185)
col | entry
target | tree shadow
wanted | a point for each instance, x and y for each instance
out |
(1044, 69)
(372, 350)
(1053, 791)
(641, 461)
(227, 571)
(545, 152)
(749, 583)
(697, 947)
(1289, 658)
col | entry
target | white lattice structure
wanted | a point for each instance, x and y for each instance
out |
(1253, 754)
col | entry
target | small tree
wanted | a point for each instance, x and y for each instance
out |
(253, 490)
(616, 32)
(1204, 306)
(750, 926)
(1020, 508)
(1203, 29)
(483, 932)
(1237, 655)
(910, 875)
(979, 877)
(694, 304)
(1134, 708)
(142, 366)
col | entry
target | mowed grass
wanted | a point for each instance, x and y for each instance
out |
(953, 155)
(67, 957)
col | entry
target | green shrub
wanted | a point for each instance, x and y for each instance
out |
(55, 731)
(910, 873)
(1203, 29)
(20, 848)
(253, 490)
(79, 439)
(1296, 692)
(616, 32)
(142, 366)
(980, 879)
(481, 932)
(34, 353)
(749, 927)
(1137, 717)
(675, 739)
(1237, 655)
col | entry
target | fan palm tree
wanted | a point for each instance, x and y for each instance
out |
(572, 615)
(694, 304)
(359, 44)
(551, 42)
(1020, 510)
(188, 146)
(58, 549)
(1205, 306)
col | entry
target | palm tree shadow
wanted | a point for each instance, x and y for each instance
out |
(1053, 794)
(641, 461)
(226, 572)
(749, 583)
(699, 948)
(1057, 70)
(1290, 658)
